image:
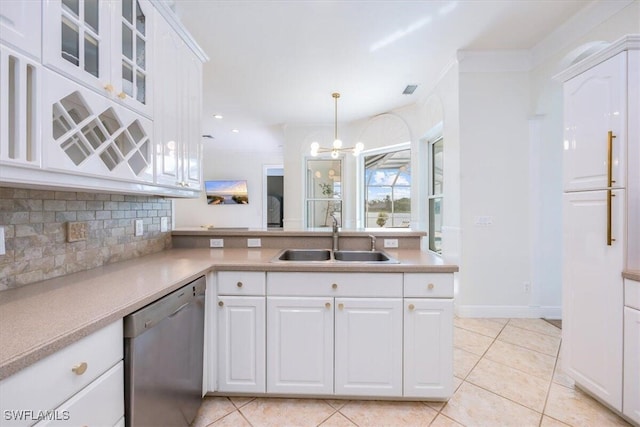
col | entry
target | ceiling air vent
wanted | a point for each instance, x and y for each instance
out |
(409, 89)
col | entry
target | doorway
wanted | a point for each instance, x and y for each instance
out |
(273, 210)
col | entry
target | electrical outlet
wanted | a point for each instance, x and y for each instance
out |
(164, 224)
(527, 287)
(483, 221)
(139, 227)
(390, 243)
(216, 243)
(3, 249)
(254, 243)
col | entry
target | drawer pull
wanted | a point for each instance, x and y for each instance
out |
(328, 305)
(334, 286)
(430, 286)
(239, 284)
(411, 306)
(340, 306)
(220, 303)
(108, 87)
(80, 368)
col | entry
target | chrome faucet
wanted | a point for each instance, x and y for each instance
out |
(373, 242)
(335, 232)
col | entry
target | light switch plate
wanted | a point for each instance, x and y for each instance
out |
(139, 227)
(216, 243)
(390, 243)
(254, 243)
(3, 249)
(164, 224)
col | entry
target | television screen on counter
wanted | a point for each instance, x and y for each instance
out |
(226, 192)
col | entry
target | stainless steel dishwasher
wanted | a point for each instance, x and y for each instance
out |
(163, 359)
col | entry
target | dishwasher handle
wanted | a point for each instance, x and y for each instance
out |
(179, 309)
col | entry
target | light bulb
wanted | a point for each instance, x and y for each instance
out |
(315, 146)
(337, 144)
(359, 146)
(334, 154)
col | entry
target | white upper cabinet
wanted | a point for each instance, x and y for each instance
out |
(104, 45)
(20, 25)
(595, 139)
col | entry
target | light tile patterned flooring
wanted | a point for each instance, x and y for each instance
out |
(507, 373)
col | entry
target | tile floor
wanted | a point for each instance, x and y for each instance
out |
(506, 374)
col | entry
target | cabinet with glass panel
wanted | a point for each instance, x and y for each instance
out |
(103, 45)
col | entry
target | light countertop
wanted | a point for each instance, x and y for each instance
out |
(39, 319)
(631, 274)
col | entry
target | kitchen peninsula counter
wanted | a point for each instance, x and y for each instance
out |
(632, 275)
(39, 319)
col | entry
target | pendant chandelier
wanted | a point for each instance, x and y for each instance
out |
(337, 147)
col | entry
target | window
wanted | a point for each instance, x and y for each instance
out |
(436, 164)
(387, 188)
(324, 192)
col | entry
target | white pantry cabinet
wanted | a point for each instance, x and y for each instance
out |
(106, 45)
(82, 384)
(20, 26)
(241, 327)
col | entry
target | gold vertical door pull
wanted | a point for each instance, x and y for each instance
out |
(610, 197)
(610, 180)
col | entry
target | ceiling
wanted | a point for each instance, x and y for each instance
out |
(277, 62)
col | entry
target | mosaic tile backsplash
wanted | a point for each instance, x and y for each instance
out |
(37, 224)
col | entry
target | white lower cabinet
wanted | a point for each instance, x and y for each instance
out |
(300, 345)
(631, 380)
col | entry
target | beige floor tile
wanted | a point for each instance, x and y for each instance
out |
(234, 419)
(561, 377)
(337, 420)
(435, 405)
(286, 412)
(463, 362)
(535, 341)
(511, 383)
(536, 325)
(442, 421)
(240, 401)
(474, 406)
(471, 341)
(487, 327)
(550, 422)
(212, 409)
(457, 382)
(573, 407)
(529, 361)
(392, 414)
(336, 403)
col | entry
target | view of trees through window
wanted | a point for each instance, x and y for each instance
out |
(388, 189)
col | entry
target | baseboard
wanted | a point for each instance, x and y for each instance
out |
(509, 311)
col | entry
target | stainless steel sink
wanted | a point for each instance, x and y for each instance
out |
(363, 256)
(304, 255)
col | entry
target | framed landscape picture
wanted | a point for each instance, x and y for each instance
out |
(226, 192)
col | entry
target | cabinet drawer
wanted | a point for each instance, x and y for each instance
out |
(50, 381)
(101, 403)
(335, 284)
(428, 285)
(632, 293)
(241, 283)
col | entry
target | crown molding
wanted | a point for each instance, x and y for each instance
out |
(164, 8)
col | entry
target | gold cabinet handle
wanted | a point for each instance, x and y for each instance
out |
(334, 286)
(80, 368)
(328, 305)
(122, 95)
(430, 286)
(610, 180)
(412, 307)
(108, 87)
(610, 197)
(340, 306)
(220, 303)
(239, 284)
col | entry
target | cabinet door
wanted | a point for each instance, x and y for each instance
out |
(241, 344)
(428, 347)
(21, 25)
(631, 399)
(592, 293)
(368, 346)
(594, 104)
(132, 53)
(192, 113)
(300, 345)
(76, 43)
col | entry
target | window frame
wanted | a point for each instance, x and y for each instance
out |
(432, 195)
(308, 215)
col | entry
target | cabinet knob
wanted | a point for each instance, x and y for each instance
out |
(108, 87)
(328, 305)
(430, 286)
(122, 95)
(340, 306)
(80, 368)
(220, 303)
(334, 286)
(411, 306)
(239, 284)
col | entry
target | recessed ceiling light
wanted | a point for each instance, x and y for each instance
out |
(217, 116)
(409, 89)
(235, 131)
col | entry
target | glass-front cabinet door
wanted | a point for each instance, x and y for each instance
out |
(102, 44)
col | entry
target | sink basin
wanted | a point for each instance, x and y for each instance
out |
(363, 256)
(304, 255)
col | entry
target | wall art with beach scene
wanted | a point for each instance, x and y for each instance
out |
(226, 192)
